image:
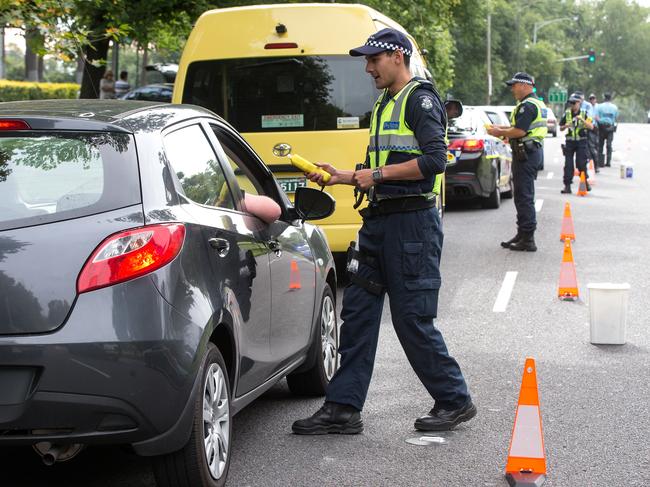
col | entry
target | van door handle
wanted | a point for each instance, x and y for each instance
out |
(221, 245)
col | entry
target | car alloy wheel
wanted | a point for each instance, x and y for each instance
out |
(216, 421)
(205, 458)
(323, 353)
(329, 334)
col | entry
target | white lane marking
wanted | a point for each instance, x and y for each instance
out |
(538, 205)
(503, 297)
(549, 175)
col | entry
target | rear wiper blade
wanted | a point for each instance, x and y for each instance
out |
(271, 63)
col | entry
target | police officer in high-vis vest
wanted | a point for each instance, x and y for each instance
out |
(526, 134)
(398, 248)
(577, 122)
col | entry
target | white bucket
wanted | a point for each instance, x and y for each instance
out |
(608, 312)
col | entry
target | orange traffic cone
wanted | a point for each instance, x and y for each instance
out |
(526, 464)
(568, 288)
(567, 225)
(582, 187)
(294, 276)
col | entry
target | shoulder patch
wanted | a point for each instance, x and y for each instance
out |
(426, 103)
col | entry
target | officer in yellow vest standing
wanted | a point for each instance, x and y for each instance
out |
(398, 249)
(577, 122)
(526, 134)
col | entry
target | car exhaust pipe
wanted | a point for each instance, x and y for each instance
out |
(52, 453)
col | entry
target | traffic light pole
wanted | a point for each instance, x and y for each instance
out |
(565, 59)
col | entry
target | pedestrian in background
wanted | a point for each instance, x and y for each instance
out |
(527, 132)
(592, 136)
(122, 85)
(398, 249)
(107, 86)
(577, 123)
(607, 119)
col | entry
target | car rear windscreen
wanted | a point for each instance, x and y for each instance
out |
(272, 94)
(47, 177)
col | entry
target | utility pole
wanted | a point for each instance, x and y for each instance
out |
(489, 53)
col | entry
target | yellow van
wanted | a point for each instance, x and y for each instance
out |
(283, 74)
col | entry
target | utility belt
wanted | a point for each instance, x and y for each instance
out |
(521, 149)
(387, 206)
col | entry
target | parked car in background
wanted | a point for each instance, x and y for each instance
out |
(480, 165)
(137, 307)
(551, 122)
(496, 114)
(154, 92)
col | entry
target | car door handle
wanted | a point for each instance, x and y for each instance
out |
(275, 246)
(221, 245)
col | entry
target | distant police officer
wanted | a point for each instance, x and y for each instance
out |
(592, 135)
(526, 134)
(607, 118)
(577, 123)
(398, 249)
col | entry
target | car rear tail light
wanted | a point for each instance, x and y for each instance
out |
(130, 254)
(467, 145)
(281, 45)
(14, 125)
(473, 145)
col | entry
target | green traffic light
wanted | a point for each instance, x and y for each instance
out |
(592, 56)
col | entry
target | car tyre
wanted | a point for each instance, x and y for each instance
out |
(509, 193)
(494, 200)
(314, 381)
(193, 465)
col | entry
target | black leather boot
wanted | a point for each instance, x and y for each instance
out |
(527, 243)
(514, 239)
(440, 419)
(567, 189)
(330, 418)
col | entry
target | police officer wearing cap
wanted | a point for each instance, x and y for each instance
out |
(398, 248)
(526, 133)
(577, 123)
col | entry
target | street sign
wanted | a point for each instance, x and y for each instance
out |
(556, 95)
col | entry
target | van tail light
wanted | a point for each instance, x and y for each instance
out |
(467, 145)
(14, 125)
(281, 45)
(130, 254)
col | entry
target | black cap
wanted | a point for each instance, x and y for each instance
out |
(521, 78)
(607, 96)
(574, 98)
(384, 40)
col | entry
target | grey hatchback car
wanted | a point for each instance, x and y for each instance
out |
(140, 303)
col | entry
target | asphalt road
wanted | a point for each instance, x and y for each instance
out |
(594, 399)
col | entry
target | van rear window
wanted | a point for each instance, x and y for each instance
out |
(47, 177)
(281, 94)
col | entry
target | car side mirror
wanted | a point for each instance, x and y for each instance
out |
(454, 109)
(313, 204)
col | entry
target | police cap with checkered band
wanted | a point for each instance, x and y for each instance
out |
(384, 40)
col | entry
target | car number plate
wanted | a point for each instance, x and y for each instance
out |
(289, 185)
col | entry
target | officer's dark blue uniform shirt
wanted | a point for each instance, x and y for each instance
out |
(526, 114)
(426, 116)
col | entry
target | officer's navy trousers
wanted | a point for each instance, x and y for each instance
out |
(524, 174)
(407, 249)
(579, 150)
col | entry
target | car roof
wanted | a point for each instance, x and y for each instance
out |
(109, 115)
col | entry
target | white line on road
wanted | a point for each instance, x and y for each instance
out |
(503, 297)
(549, 175)
(538, 205)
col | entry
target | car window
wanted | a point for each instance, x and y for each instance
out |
(197, 168)
(49, 177)
(242, 162)
(467, 122)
